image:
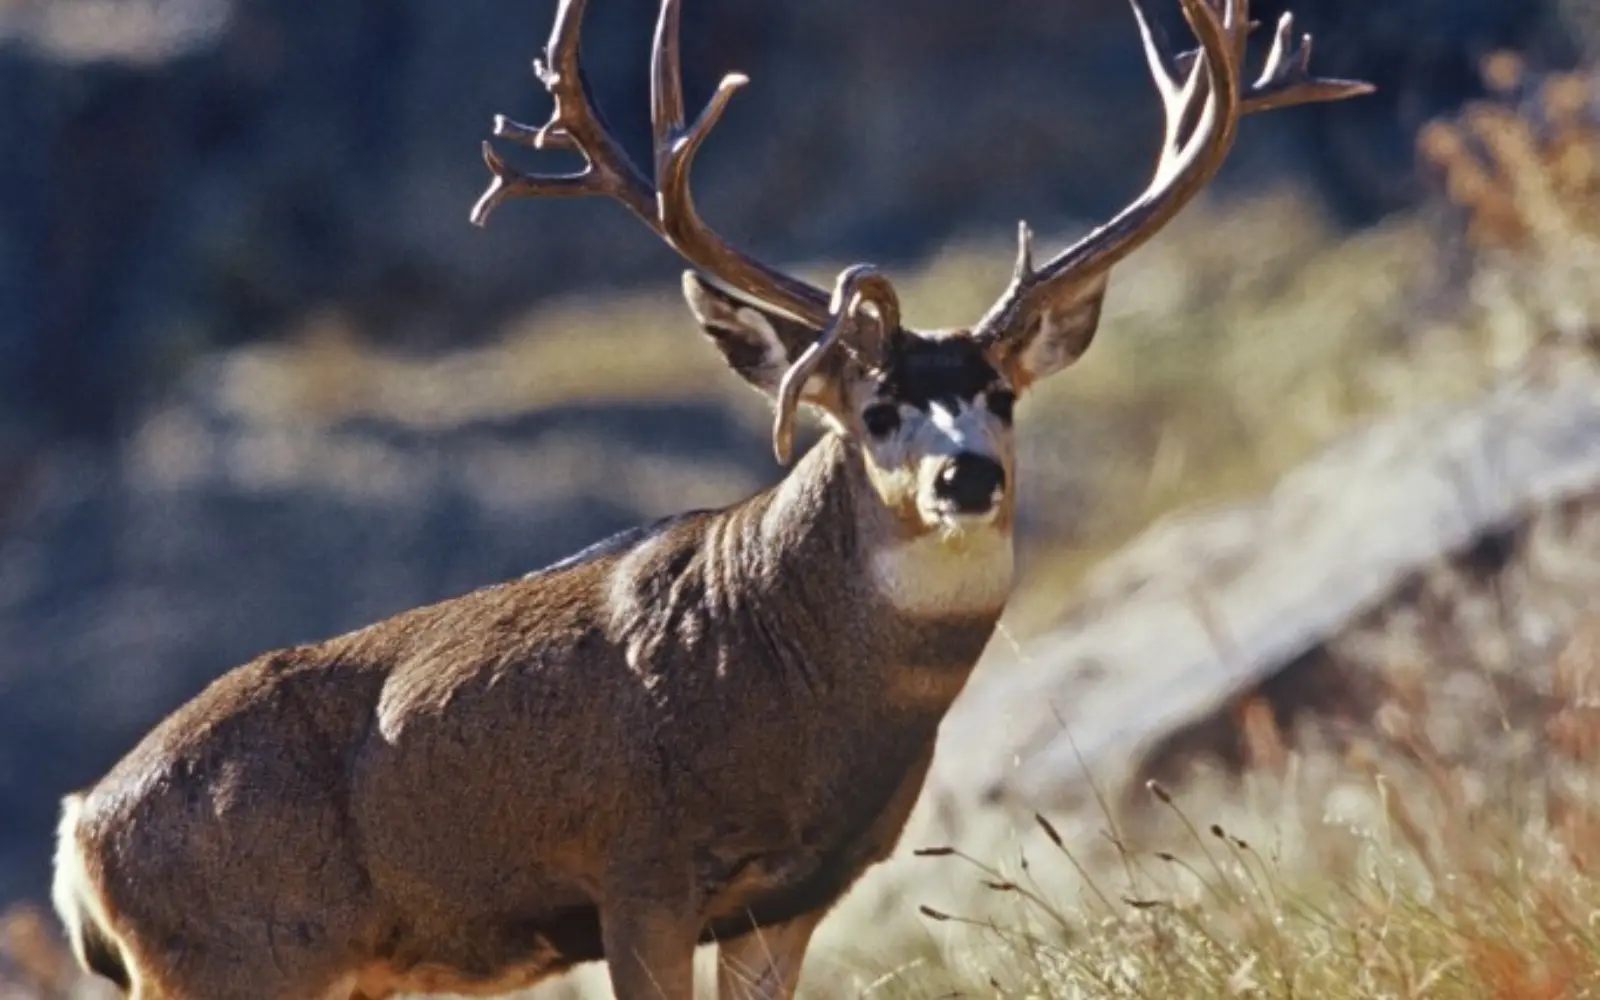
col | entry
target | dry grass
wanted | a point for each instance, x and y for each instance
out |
(1388, 871)
(1364, 907)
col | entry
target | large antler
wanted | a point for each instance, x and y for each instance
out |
(1204, 81)
(667, 206)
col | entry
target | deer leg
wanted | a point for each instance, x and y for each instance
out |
(649, 950)
(765, 963)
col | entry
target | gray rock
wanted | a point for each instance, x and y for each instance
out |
(1210, 604)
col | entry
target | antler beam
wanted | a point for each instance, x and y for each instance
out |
(667, 205)
(1203, 82)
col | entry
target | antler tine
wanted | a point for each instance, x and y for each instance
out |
(1179, 89)
(666, 80)
(1182, 169)
(676, 147)
(1286, 78)
(575, 125)
(1206, 79)
(856, 288)
(667, 206)
(1185, 60)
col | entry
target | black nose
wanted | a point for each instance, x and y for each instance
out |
(969, 482)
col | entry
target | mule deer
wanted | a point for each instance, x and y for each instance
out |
(701, 731)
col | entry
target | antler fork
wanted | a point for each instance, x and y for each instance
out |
(1201, 84)
(667, 205)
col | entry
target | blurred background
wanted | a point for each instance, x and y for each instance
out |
(262, 382)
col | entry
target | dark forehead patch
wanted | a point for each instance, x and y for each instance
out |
(922, 370)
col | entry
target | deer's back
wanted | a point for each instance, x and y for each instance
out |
(628, 710)
(455, 782)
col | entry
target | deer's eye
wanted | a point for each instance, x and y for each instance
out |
(1001, 402)
(881, 419)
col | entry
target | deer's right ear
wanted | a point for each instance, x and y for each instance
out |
(758, 344)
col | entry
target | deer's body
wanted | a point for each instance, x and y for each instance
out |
(471, 829)
(704, 731)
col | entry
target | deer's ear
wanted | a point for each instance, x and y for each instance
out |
(1054, 334)
(758, 344)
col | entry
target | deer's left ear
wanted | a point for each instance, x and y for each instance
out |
(757, 343)
(1053, 334)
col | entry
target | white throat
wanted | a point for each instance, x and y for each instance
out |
(939, 574)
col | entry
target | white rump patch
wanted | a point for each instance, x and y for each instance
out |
(72, 891)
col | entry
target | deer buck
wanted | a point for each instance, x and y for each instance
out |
(701, 731)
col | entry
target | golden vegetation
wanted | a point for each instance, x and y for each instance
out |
(1387, 871)
(1525, 166)
(1522, 170)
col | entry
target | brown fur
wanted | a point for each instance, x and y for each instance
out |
(713, 731)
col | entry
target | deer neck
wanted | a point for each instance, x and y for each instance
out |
(823, 543)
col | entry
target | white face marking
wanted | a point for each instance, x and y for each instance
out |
(950, 429)
(954, 424)
(907, 463)
(937, 575)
